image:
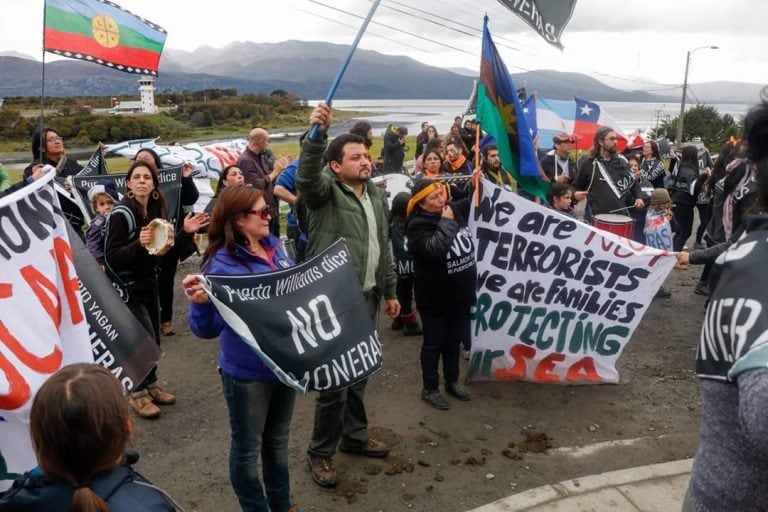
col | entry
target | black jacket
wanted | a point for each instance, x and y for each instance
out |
(393, 153)
(682, 185)
(602, 197)
(552, 170)
(444, 260)
(123, 489)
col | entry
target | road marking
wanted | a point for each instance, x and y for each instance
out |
(591, 449)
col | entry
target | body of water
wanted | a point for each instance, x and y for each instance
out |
(440, 113)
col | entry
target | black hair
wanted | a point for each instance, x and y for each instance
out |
(557, 189)
(362, 128)
(690, 156)
(756, 136)
(37, 140)
(335, 151)
(155, 157)
(399, 208)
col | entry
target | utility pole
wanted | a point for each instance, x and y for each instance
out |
(679, 136)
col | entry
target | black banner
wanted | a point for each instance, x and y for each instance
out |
(310, 323)
(96, 166)
(547, 17)
(118, 340)
(170, 184)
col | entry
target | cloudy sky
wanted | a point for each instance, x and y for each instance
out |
(631, 44)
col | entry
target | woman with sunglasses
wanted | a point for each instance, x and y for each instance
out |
(260, 407)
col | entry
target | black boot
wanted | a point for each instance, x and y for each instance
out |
(457, 390)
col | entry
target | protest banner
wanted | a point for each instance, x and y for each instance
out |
(170, 185)
(309, 324)
(42, 322)
(208, 161)
(119, 342)
(557, 299)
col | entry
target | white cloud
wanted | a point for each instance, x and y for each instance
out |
(640, 39)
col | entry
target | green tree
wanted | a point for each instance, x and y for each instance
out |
(705, 122)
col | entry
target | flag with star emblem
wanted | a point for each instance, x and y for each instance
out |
(102, 32)
(500, 114)
(576, 117)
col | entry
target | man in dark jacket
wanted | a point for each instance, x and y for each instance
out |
(342, 202)
(258, 166)
(393, 153)
(605, 178)
(558, 164)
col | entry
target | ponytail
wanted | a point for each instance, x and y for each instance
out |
(85, 500)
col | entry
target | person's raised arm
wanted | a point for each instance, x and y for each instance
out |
(311, 183)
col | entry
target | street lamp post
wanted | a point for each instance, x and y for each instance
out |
(679, 136)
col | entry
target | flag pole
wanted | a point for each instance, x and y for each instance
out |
(477, 164)
(42, 92)
(332, 91)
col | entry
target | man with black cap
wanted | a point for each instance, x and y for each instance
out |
(557, 163)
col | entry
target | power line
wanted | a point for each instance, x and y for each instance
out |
(442, 25)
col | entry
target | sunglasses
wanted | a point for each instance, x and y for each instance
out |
(265, 213)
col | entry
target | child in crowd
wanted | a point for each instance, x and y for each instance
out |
(403, 267)
(560, 198)
(103, 197)
(658, 227)
(639, 214)
(81, 427)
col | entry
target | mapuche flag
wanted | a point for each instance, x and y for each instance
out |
(501, 115)
(102, 32)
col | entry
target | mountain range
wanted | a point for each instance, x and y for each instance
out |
(307, 69)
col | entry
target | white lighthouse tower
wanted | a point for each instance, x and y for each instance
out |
(147, 91)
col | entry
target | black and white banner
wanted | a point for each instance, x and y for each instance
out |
(310, 323)
(119, 342)
(170, 184)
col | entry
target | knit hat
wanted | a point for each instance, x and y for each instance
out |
(421, 189)
(660, 196)
(104, 186)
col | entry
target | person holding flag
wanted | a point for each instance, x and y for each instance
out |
(342, 202)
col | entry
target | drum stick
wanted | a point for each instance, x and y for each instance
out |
(621, 209)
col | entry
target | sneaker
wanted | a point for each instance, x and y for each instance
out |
(435, 399)
(397, 324)
(457, 390)
(702, 288)
(663, 294)
(160, 396)
(167, 329)
(323, 472)
(141, 402)
(699, 245)
(371, 448)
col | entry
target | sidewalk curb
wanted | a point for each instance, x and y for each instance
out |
(547, 493)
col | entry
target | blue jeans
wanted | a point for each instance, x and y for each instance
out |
(260, 419)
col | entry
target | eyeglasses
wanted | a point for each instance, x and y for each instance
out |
(55, 138)
(265, 213)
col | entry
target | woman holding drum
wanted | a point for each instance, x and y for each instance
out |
(132, 251)
(606, 181)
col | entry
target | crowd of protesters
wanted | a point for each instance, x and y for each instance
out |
(414, 249)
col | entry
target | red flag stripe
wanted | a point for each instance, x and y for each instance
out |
(122, 55)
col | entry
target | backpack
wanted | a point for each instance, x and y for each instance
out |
(120, 280)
